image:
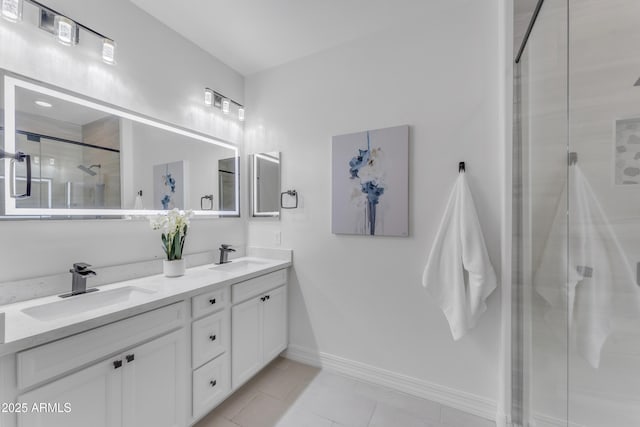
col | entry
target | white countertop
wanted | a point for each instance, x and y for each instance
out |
(23, 331)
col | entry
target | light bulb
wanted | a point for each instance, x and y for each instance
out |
(109, 51)
(208, 97)
(65, 30)
(241, 114)
(225, 106)
(12, 10)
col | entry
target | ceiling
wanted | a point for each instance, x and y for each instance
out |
(253, 35)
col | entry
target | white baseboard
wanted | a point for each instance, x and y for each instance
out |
(463, 401)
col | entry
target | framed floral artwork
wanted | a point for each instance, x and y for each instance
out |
(168, 186)
(370, 182)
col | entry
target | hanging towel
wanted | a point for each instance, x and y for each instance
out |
(584, 274)
(459, 274)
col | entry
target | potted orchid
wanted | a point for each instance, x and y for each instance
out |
(174, 226)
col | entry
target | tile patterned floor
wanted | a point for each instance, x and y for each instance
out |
(290, 394)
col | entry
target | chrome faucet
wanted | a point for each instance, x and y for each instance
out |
(224, 253)
(80, 272)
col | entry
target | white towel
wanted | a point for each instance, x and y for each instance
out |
(458, 251)
(584, 274)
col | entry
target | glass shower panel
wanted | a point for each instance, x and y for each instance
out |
(604, 213)
(542, 192)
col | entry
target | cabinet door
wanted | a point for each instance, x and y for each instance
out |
(246, 340)
(90, 397)
(153, 391)
(274, 324)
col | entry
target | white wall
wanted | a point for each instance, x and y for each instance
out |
(360, 297)
(158, 74)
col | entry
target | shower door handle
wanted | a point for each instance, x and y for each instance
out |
(20, 157)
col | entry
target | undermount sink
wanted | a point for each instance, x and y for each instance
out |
(240, 265)
(86, 302)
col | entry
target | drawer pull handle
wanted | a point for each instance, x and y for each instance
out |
(130, 358)
(212, 301)
(117, 364)
(212, 337)
(213, 383)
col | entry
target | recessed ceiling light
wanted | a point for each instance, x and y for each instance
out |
(44, 104)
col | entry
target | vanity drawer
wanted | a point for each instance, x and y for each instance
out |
(256, 286)
(209, 337)
(50, 360)
(209, 302)
(210, 384)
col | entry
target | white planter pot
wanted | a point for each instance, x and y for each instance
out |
(175, 268)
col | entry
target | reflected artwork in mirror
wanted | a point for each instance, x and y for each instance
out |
(91, 160)
(265, 184)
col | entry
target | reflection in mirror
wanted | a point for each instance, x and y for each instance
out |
(92, 160)
(265, 184)
(227, 183)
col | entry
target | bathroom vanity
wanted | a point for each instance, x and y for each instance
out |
(146, 352)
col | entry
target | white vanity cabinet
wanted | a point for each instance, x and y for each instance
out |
(142, 386)
(166, 366)
(210, 345)
(127, 373)
(259, 324)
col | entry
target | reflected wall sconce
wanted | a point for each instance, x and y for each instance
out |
(208, 97)
(218, 100)
(65, 29)
(12, 10)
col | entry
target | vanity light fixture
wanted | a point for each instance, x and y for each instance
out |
(65, 30)
(12, 10)
(218, 100)
(109, 51)
(208, 97)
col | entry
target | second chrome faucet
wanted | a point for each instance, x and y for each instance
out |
(224, 253)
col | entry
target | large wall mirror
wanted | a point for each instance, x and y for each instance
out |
(92, 160)
(265, 184)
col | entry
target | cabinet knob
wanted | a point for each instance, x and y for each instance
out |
(268, 297)
(212, 337)
(263, 299)
(213, 383)
(212, 301)
(130, 358)
(117, 364)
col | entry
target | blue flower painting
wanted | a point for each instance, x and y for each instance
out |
(370, 182)
(372, 186)
(168, 185)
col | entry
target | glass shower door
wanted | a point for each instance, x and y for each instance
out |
(604, 213)
(541, 189)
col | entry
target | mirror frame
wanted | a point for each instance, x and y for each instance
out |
(254, 177)
(11, 83)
